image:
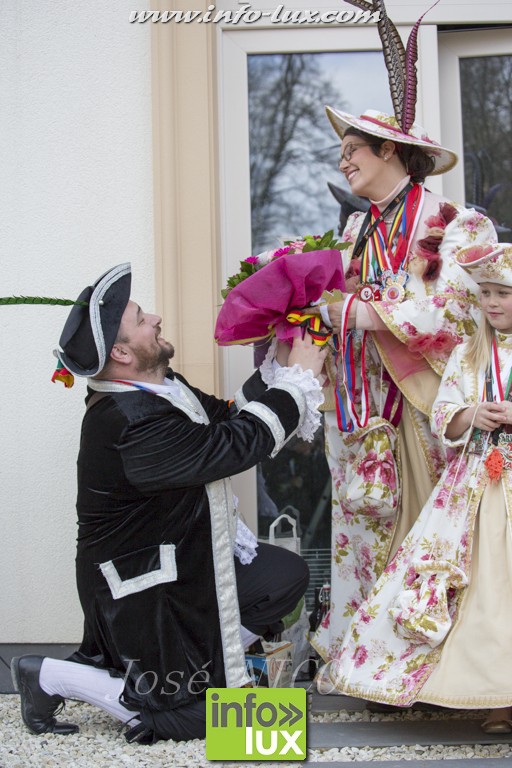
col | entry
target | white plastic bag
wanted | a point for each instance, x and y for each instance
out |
(291, 542)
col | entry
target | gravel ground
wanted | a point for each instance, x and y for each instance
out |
(100, 744)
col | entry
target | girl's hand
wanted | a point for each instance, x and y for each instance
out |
(503, 411)
(488, 416)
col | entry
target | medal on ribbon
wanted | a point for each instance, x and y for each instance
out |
(393, 285)
(367, 292)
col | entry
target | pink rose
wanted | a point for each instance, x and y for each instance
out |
(384, 466)
(409, 329)
(368, 467)
(433, 599)
(298, 246)
(439, 301)
(347, 513)
(436, 345)
(415, 677)
(341, 540)
(360, 655)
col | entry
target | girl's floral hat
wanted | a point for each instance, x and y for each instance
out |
(487, 263)
(259, 299)
(386, 127)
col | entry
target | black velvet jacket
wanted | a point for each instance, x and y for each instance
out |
(142, 469)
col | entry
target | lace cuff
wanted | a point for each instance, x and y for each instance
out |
(308, 395)
(302, 386)
(245, 543)
(269, 366)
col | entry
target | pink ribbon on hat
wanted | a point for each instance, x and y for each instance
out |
(396, 130)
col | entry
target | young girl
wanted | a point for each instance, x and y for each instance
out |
(436, 627)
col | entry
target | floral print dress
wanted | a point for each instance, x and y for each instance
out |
(382, 477)
(436, 626)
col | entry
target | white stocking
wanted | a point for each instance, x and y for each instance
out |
(248, 637)
(85, 683)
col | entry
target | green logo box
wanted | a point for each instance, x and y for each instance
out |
(256, 724)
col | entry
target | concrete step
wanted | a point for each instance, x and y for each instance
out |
(401, 733)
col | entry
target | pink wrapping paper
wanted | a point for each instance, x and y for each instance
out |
(257, 307)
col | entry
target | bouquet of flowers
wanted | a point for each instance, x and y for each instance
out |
(259, 298)
(306, 244)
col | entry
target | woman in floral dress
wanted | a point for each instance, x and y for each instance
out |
(410, 303)
(436, 627)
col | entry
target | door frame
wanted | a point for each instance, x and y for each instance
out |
(454, 46)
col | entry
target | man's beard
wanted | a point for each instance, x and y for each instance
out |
(156, 361)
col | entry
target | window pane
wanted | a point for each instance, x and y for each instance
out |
(293, 154)
(486, 92)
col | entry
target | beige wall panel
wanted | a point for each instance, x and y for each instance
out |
(185, 191)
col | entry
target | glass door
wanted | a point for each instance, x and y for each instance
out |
(295, 188)
(277, 156)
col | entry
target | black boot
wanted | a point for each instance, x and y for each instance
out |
(37, 707)
(140, 734)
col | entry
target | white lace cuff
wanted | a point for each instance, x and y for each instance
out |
(308, 395)
(245, 543)
(302, 385)
(269, 366)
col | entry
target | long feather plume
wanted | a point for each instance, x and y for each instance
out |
(394, 57)
(400, 62)
(411, 77)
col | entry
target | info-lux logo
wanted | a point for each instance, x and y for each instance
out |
(256, 724)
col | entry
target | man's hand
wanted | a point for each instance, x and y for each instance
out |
(307, 354)
(282, 353)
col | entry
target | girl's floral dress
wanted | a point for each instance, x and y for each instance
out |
(436, 626)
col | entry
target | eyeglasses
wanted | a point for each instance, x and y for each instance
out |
(351, 148)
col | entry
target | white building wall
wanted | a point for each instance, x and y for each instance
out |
(75, 198)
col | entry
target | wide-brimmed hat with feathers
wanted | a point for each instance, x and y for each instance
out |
(386, 127)
(401, 66)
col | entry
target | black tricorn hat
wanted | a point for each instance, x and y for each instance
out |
(91, 330)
